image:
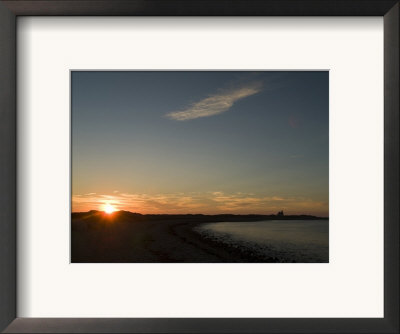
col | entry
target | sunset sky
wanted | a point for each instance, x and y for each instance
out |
(200, 142)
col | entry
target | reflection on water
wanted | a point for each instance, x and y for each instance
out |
(285, 240)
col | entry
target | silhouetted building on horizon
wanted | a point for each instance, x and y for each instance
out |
(280, 213)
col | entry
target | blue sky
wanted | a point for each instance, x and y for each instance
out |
(201, 142)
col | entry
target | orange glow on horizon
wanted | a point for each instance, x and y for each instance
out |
(208, 203)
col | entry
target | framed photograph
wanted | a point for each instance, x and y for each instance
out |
(207, 166)
(201, 187)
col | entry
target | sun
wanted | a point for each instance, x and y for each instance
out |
(108, 208)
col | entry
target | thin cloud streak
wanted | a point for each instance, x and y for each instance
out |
(216, 104)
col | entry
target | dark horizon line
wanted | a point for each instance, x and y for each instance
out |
(202, 214)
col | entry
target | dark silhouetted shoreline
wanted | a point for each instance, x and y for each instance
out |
(126, 237)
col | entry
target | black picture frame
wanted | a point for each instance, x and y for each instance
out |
(11, 9)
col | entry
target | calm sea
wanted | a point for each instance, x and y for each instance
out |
(286, 240)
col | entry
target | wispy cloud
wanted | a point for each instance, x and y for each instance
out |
(216, 104)
(246, 203)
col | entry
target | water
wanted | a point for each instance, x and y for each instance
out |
(284, 240)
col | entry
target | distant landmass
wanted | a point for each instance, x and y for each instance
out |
(194, 217)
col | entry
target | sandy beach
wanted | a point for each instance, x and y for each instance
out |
(126, 237)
